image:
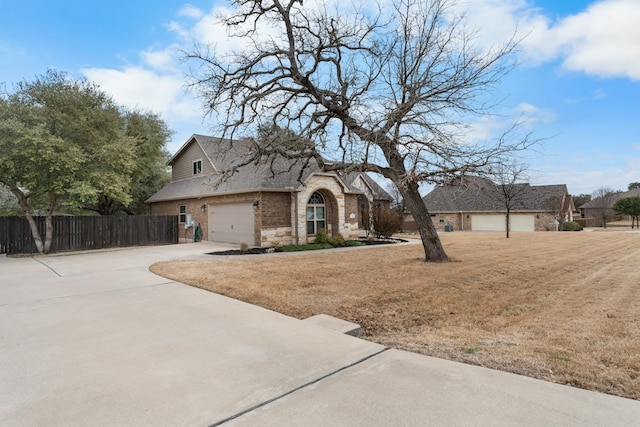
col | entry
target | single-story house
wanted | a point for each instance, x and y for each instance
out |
(477, 204)
(262, 203)
(593, 212)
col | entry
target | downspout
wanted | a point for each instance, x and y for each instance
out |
(461, 221)
(295, 221)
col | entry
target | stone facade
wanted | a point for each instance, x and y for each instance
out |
(275, 219)
(546, 222)
(336, 208)
(276, 236)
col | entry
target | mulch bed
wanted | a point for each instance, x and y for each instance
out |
(259, 251)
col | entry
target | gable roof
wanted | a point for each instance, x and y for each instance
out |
(378, 192)
(232, 175)
(475, 194)
(614, 198)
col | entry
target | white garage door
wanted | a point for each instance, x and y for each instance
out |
(232, 223)
(487, 222)
(519, 222)
(523, 222)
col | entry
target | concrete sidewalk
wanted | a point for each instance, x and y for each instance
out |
(96, 339)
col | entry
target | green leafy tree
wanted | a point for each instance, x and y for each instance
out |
(387, 91)
(581, 199)
(149, 134)
(62, 144)
(629, 206)
(150, 173)
(8, 203)
(634, 185)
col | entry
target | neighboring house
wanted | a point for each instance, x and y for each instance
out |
(477, 204)
(262, 203)
(592, 211)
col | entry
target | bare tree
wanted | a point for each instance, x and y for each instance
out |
(508, 178)
(388, 92)
(561, 206)
(602, 202)
(397, 202)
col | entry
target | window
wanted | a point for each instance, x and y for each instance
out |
(197, 167)
(441, 218)
(315, 214)
(183, 214)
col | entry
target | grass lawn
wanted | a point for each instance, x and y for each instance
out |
(563, 307)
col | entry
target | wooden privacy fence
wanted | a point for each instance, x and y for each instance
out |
(73, 233)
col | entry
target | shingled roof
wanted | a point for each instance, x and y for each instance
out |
(593, 204)
(475, 194)
(379, 193)
(232, 175)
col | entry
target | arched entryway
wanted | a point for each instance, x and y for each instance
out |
(322, 213)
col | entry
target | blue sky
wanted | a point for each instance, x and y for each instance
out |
(577, 84)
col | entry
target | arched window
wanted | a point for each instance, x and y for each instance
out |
(315, 214)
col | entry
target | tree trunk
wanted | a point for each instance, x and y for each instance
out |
(106, 206)
(48, 230)
(508, 220)
(433, 250)
(24, 205)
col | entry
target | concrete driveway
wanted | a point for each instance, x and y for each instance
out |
(96, 339)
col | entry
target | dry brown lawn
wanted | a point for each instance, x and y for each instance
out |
(563, 307)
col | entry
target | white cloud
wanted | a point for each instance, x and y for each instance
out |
(586, 181)
(166, 59)
(602, 40)
(137, 87)
(149, 90)
(207, 30)
(605, 30)
(190, 11)
(530, 115)
(526, 116)
(508, 18)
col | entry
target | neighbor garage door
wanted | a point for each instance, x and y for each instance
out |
(487, 222)
(232, 223)
(519, 222)
(523, 222)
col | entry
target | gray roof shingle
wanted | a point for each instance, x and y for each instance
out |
(594, 203)
(277, 174)
(474, 194)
